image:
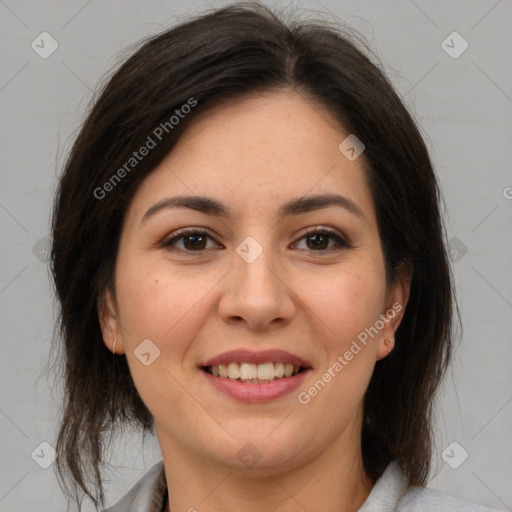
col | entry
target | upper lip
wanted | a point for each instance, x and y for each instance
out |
(265, 356)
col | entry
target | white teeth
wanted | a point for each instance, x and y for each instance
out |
(248, 372)
(266, 371)
(233, 371)
(223, 370)
(279, 370)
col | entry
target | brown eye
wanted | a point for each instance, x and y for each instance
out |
(193, 240)
(318, 240)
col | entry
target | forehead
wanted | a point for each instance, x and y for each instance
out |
(257, 153)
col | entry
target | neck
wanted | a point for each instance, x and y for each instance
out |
(334, 481)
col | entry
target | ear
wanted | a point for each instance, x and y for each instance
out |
(109, 322)
(397, 296)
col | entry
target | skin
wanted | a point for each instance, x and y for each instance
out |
(253, 155)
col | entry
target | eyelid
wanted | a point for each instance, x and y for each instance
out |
(339, 238)
(323, 229)
(176, 235)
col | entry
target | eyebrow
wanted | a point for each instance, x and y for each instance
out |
(210, 206)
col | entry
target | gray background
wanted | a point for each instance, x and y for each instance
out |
(464, 107)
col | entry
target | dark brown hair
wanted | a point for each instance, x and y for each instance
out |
(224, 54)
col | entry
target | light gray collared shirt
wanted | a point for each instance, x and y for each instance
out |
(389, 494)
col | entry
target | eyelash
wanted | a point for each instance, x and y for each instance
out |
(167, 244)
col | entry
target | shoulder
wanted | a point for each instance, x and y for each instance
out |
(147, 495)
(392, 494)
(425, 499)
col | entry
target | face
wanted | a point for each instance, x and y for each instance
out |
(304, 288)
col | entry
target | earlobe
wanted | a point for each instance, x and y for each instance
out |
(109, 323)
(385, 348)
(389, 344)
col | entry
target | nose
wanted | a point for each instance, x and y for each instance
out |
(257, 294)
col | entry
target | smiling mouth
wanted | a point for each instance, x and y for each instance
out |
(254, 373)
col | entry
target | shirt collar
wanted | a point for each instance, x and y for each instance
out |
(387, 491)
(147, 495)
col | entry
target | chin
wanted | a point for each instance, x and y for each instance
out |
(262, 449)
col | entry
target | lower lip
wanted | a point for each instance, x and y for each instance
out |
(255, 393)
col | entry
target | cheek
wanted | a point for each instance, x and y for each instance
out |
(345, 301)
(345, 306)
(166, 308)
(159, 303)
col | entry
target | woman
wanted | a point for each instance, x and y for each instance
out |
(249, 256)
